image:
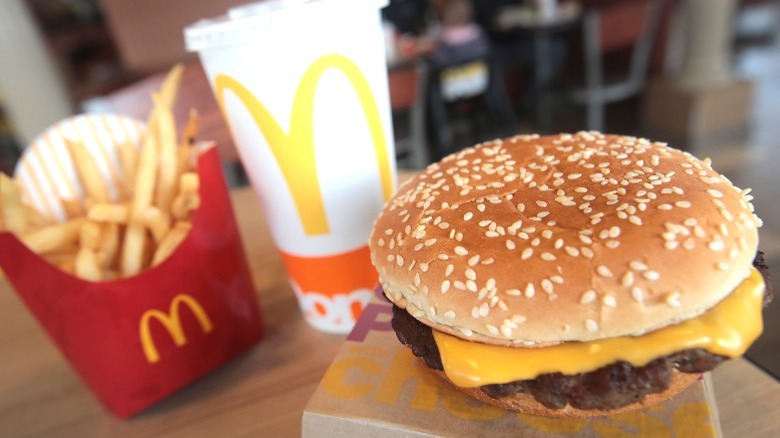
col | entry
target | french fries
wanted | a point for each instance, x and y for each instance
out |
(103, 238)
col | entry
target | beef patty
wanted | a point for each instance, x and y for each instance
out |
(609, 387)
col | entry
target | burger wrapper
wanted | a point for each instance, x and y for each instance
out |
(376, 387)
(136, 340)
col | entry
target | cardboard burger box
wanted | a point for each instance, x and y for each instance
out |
(376, 387)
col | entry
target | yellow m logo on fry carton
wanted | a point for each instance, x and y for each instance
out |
(172, 323)
(294, 151)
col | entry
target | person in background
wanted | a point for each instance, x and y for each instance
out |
(460, 38)
(408, 17)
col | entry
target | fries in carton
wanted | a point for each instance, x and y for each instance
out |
(128, 254)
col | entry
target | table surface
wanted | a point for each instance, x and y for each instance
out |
(264, 391)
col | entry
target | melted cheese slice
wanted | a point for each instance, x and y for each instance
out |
(727, 329)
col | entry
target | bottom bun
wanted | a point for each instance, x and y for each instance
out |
(526, 404)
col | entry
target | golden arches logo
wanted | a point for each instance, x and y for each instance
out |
(294, 151)
(172, 323)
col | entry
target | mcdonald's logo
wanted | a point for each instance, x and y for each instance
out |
(172, 323)
(294, 151)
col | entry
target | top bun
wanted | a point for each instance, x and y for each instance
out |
(539, 240)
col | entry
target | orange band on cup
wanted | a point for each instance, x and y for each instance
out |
(334, 274)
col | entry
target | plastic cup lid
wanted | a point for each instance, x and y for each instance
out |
(246, 23)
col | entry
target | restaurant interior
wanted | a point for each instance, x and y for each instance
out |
(703, 76)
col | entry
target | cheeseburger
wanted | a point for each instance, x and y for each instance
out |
(572, 275)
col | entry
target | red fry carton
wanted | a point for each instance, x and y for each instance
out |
(136, 340)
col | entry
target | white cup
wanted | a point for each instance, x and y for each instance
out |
(303, 86)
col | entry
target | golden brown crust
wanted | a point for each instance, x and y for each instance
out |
(526, 404)
(539, 240)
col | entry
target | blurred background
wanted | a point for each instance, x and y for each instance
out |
(703, 75)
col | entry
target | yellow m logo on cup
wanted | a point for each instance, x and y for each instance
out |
(171, 321)
(294, 150)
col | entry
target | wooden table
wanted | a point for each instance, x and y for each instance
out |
(261, 393)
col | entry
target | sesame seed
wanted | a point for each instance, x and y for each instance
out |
(673, 299)
(635, 220)
(587, 252)
(510, 244)
(484, 309)
(665, 207)
(491, 234)
(546, 256)
(716, 245)
(628, 279)
(609, 301)
(423, 266)
(470, 274)
(572, 251)
(547, 285)
(468, 216)
(723, 266)
(671, 245)
(513, 292)
(638, 266)
(547, 234)
(614, 232)
(612, 244)
(473, 260)
(651, 275)
(471, 285)
(399, 260)
(689, 244)
(541, 203)
(459, 250)
(449, 269)
(603, 271)
(637, 294)
(682, 204)
(530, 291)
(381, 242)
(588, 297)
(591, 325)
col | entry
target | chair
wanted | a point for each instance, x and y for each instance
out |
(407, 85)
(619, 25)
(464, 91)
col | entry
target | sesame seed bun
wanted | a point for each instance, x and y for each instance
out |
(534, 241)
(526, 404)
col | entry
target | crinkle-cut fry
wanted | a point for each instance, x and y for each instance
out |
(186, 150)
(157, 222)
(53, 237)
(87, 171)
(87, 266)
(171, 241)
(167, 167)
(128, 159)
(113, 213)
(90, 235)
(131, 262)
(11, 208)
(109, 245)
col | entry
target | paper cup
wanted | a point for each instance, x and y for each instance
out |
(303, 86)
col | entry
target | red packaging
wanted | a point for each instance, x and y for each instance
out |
(135, 341)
